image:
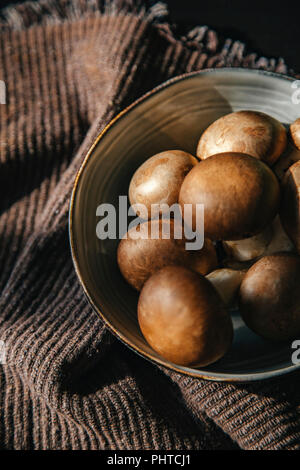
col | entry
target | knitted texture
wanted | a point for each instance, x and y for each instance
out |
(69, 67)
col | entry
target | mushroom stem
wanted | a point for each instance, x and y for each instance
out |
(227, 283)
(249, 248)
(290, 156)
(290, 205)
(280, 242)
(295, 132)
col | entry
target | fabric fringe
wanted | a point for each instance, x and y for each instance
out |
(67, 382)
(22, 16)
(56, 11)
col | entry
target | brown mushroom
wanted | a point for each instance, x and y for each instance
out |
(295, 132)
(269, 297)
(279, 242)
(157, 181)
(272, 240)
(290, 156)
(226, 282)
(183, 318)
(240, 195)
(230, 263)
(290, 204)
(249, 248)
(250, 132)
(139, 258)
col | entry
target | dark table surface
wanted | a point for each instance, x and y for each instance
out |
(268, 27)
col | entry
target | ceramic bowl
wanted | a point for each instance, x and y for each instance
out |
(172, 116)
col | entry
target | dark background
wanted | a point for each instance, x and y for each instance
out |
(268, 27)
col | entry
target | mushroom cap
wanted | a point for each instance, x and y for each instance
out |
(295, 132)
(158, 179)
(269, 297)
(290, 204)
(250, 132)
(240, 195)
(183, 318)
(139, 258)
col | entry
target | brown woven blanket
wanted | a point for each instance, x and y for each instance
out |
(69, 67)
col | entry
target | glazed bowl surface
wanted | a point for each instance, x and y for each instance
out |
(172, 116)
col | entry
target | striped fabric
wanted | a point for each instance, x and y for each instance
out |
(69, 66)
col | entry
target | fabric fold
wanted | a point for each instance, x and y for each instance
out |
(69, 67)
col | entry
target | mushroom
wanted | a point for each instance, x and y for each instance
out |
(272, 240)
(290, 204)
(250, 132)
(240, 195)
(290, 156)
(249, 248)
(183, 318)
(269, 297)
(295, 132)
(140, 254)
(226, 282)
(157, 181)
(230, 263)
(279, 242)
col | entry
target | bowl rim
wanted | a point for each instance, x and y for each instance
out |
(196, 373)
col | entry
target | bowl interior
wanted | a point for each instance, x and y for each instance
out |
(172, 117)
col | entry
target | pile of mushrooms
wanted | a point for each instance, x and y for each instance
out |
(246, 173)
